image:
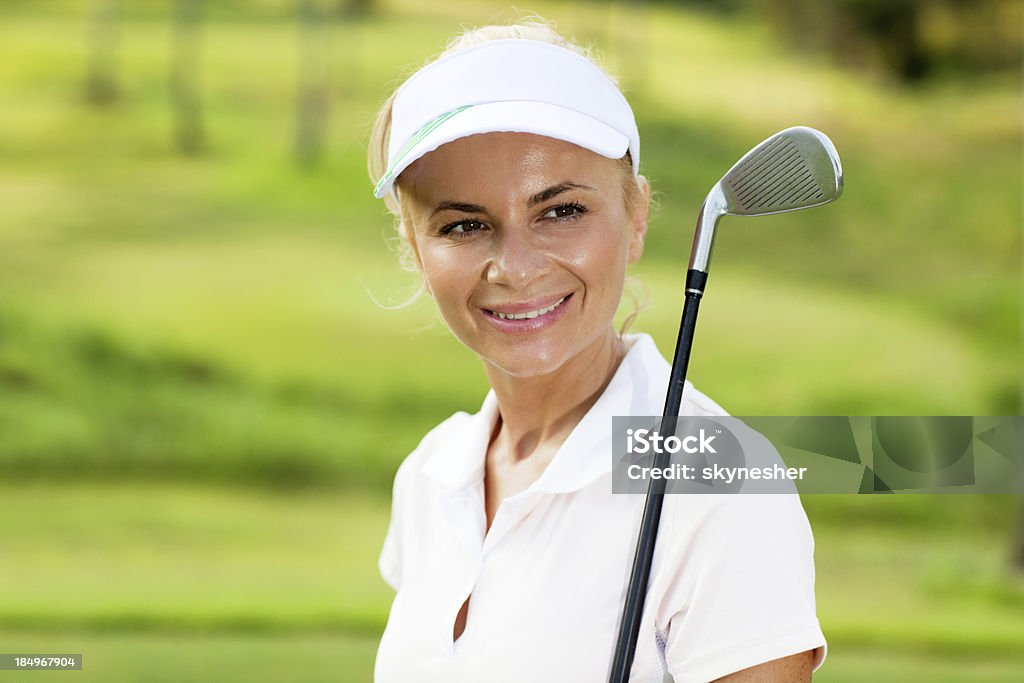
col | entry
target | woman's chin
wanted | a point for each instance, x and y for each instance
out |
(535, 355)
(526, 360)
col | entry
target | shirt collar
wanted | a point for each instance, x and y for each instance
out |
(586, 454)
(635, 389)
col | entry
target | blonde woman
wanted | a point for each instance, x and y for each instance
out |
(511, 163)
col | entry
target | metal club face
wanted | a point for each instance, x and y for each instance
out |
(794, 169)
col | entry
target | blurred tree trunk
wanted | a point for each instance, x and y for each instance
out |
(854, 30)
(314, 82)
(185, 72)
(355, 9)
(101, 71)
(896, 26)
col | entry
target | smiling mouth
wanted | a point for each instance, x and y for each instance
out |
(527, 315)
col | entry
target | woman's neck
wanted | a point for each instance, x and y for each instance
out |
(535, 411)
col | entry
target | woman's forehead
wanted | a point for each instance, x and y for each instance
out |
(521, 162)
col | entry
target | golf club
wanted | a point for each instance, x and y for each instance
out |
(796, 168)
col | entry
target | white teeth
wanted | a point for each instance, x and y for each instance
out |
(530, 314)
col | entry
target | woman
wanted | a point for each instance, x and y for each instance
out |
(512, 164)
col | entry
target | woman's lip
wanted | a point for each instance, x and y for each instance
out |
(528, 325)
(526, 306)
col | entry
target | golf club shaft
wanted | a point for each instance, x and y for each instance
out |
(632, 612)
(796, 168)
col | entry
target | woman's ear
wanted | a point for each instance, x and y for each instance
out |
(639, 220)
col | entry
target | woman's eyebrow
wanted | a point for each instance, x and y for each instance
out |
(554, 190)
(457, 206)
(541, 196)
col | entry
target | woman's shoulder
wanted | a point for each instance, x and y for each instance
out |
(696, 402)
(709, 530)
(733, 514)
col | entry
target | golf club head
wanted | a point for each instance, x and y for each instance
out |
(796, 168)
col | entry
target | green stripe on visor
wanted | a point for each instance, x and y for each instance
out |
(415, 140)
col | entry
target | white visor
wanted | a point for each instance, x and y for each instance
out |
(511, 84)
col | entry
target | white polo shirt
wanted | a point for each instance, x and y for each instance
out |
(732, 581)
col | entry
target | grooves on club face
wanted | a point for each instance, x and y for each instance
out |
(794, 169)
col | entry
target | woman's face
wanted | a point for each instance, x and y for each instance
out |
(523, 241)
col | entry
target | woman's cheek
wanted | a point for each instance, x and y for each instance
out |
(600, 255)
(439, 268)
(449, 280)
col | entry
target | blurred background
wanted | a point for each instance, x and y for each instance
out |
(202, 407)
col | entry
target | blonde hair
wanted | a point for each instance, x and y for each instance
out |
(533, 27)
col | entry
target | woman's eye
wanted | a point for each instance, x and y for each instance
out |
(565, 212)
(461, 229)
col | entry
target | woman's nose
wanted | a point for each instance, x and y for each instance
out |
(516, 260)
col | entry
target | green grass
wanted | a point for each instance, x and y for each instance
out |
(172, 658)
(857, 665)
(184, 576)
(150, 556)
(208, 323)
